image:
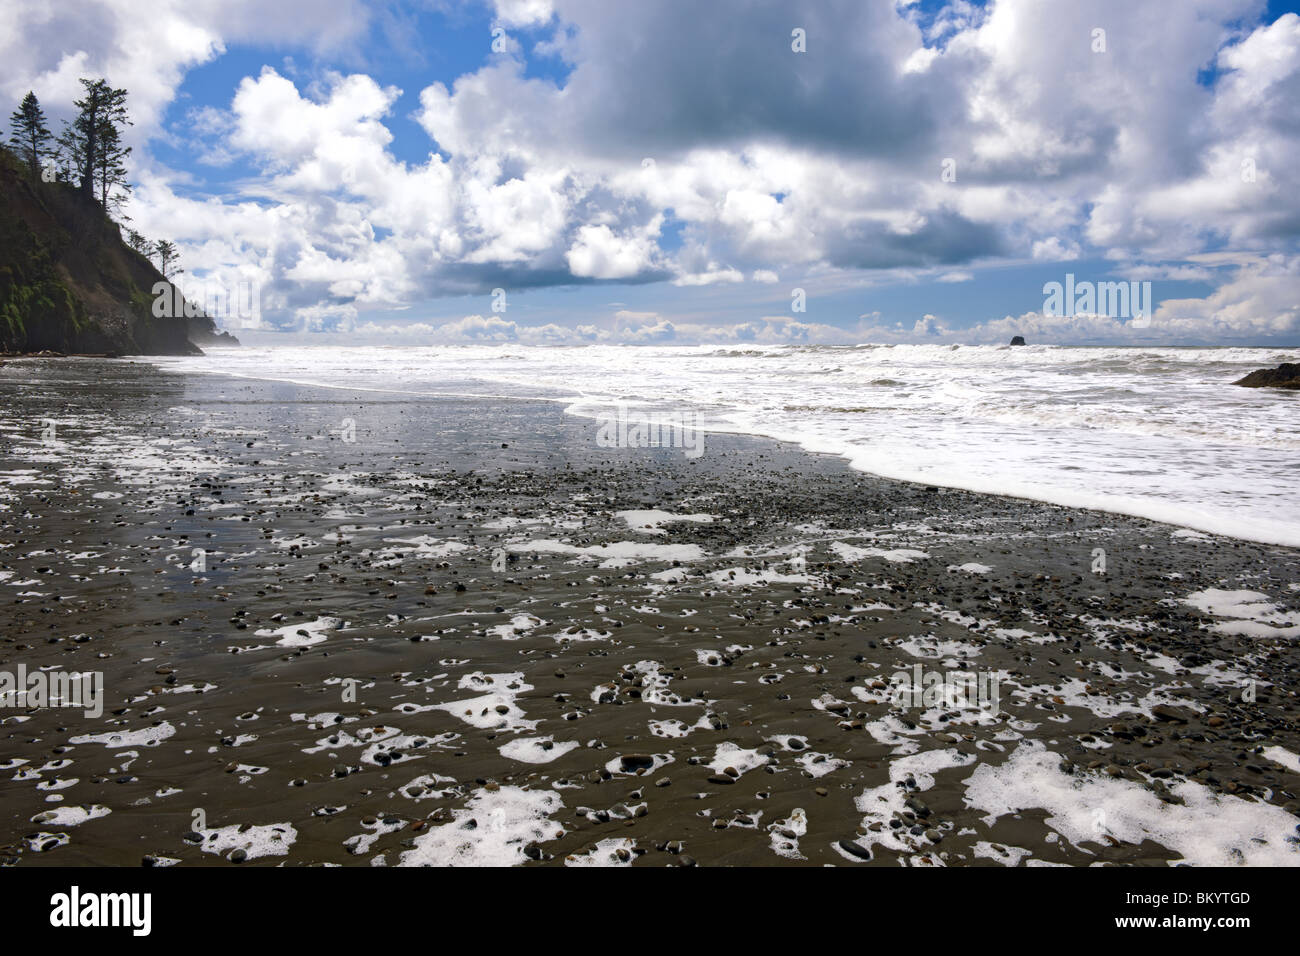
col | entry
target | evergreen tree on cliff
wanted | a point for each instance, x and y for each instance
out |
(92, 142)
(168, 255)
(110, 168)
(139, 243)
(29, 135)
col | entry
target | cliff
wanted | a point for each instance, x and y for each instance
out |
(68, 283)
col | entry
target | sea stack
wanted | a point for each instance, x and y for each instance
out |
(1286, 375)
(1018, 340)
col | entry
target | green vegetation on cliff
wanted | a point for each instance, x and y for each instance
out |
(68, 280)
(69, 283)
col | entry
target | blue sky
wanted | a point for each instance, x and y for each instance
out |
(377, 170)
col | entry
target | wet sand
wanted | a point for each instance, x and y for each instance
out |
(472, 635)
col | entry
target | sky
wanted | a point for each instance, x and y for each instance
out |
(676, 171)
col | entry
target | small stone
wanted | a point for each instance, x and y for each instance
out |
(1168, 713)
(855, 849)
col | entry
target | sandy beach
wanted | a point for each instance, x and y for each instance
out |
(366, 629)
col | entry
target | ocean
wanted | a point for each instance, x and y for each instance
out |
(1159, 433)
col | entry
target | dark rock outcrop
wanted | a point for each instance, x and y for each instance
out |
(202, 331)
(1018, 340)
(1286, 375)
(69, 284)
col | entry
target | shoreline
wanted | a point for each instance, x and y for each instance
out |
(1121, 506)
(487, 556)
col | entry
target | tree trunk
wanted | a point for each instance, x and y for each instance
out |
(88, 171)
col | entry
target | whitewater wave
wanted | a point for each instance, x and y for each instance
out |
(1154, 432)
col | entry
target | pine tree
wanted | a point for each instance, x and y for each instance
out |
(30, 136)
(64, 161)
(139, 243)
(110, 173)
(167, 256)
(71, 151)
(96, 130)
